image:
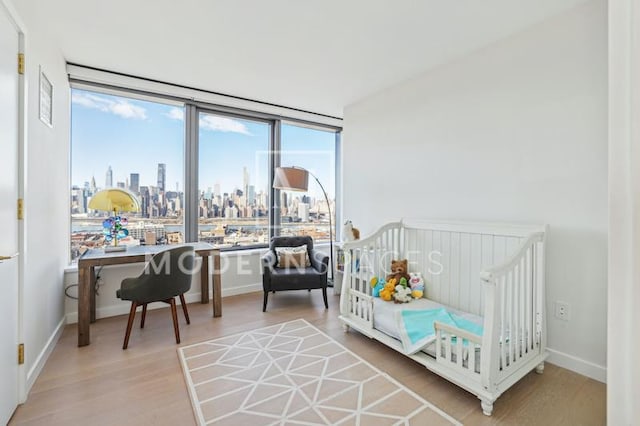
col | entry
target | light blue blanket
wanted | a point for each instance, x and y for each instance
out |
(417, 331)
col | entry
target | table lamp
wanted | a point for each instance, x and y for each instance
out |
(114, 200)
(297, 179)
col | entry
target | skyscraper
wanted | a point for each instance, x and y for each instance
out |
(162, 177)
(145, 200)
(134, 183)
(109, 180)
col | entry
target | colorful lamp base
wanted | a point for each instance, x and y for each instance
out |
(114, 230)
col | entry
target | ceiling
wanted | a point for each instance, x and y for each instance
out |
(317, 55)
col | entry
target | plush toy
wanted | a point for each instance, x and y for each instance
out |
(350, 233)
(377, 285)
(402, 294)
(387, 292)
(417, 285)
(404, 282)
(399, 270)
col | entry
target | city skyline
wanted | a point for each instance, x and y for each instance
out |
(133, 136)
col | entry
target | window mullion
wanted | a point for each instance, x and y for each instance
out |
(274, 194)
(191, 173)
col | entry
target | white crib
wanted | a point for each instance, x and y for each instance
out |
(496, 271)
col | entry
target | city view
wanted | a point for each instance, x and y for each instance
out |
(233, 197)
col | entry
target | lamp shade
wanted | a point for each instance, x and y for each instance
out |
(114, 199)
(291, 179)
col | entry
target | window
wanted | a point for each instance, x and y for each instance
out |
(138, 145)
(212, 185)
(233, 178)
(307, 213)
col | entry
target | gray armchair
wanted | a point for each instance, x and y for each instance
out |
(167, 275)
(311, 277)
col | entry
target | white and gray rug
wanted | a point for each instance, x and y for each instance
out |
(293, 374)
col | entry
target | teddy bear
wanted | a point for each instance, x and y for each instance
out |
(399, 270)
(402, 294)
(377, 284)
(417, 285)
(387, 292)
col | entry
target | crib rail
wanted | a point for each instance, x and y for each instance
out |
(514, 322)
(458, 349)
(365, 259)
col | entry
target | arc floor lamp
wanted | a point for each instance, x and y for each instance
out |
(297, 179)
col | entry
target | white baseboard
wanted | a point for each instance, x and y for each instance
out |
(122, 308)
(43, 356)
(250, 288)
(578, 365)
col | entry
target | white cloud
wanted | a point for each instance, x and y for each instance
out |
(120, 107)
(176, 114)
(223, 124)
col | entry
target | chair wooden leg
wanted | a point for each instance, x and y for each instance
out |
(264, 304)
(132, 315)
(324, 296)
(184, 308)
(174, 315)
(144, 315)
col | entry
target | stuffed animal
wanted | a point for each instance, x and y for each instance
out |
(377, 285)
(387, 292)
(402, 294)
(350, 233)
(417, 285)
(399, 270)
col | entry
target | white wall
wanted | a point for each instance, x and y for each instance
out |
(515, 132)
(45, 195)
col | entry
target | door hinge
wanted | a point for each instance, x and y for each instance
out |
(20, 63)
(21, 354)
(20, 209)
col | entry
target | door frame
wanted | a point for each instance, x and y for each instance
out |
(7, 8)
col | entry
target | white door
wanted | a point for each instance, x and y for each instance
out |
(8, 217)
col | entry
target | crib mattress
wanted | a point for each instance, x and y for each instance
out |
(384, 317)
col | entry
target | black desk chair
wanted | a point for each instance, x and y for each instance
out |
(281, 275)
(167, 275)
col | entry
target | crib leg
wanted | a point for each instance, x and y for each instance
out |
(345, 328)
(487, 406)
(540, 368)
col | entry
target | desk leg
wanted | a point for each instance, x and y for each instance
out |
(204, 280)
(92, 293)
(217, 286)
(84, 308)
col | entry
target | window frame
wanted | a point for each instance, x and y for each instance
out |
(192, 110)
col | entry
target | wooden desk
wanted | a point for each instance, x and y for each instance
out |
(97, 257)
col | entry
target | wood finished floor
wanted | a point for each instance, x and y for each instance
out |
(103, 385)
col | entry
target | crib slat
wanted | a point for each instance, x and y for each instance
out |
(512, 325)
(447, 345)
(459, 352)
(523, 334)
(438, 343)
(529, 301)
(503, 334)
(472, 357)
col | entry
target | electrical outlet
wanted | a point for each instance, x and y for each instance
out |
(562, 310)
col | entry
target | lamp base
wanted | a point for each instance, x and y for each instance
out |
(109, 249)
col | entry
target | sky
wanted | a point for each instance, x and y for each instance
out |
(133, 136)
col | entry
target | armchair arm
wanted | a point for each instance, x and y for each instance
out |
(319, 261)
(269, 260)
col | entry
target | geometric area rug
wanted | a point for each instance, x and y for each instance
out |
(294, 374)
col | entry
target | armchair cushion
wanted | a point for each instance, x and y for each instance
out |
(293, 257)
